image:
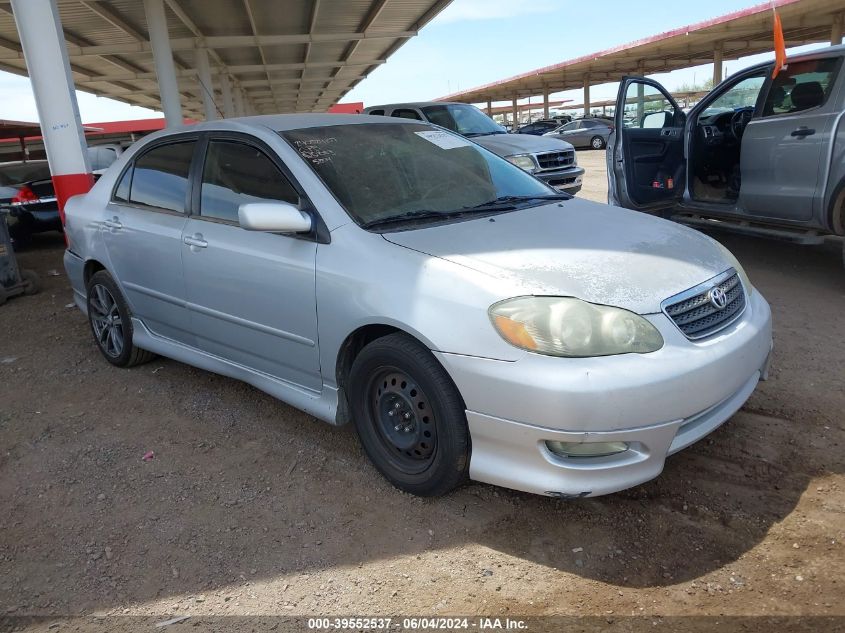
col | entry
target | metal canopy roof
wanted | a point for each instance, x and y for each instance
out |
(738, 34)
(290, 56)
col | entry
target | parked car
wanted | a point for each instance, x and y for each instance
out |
(538, 128)
(469, 320)
(26, 192)
(757, 155)
(550, 160)
(588, 132)
(562, 118)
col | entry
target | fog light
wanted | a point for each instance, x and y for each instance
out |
(586, 449)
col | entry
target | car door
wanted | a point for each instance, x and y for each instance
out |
(569, 132)
(142, 232)
(785, 144)
(646, 155)
(251, 295)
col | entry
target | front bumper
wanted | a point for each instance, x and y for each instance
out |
(658, 403)
(568, 180)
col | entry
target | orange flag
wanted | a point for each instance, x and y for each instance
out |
(780, 46)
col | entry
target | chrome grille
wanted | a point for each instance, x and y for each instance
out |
(696, 315)
(556, 160)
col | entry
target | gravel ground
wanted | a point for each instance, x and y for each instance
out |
(253, 508)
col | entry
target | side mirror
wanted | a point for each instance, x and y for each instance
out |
(273, 217)
(657, 119)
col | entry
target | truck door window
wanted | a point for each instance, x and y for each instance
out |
(647, 107)
(801, 86)
(406, 114)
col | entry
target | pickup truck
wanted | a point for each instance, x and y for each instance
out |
(549, 159)
(758, 155)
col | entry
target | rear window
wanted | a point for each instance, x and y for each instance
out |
(17, 173)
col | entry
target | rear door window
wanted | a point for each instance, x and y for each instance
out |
(160, 177)
(236, 173)
(404, 113)
(802, 86)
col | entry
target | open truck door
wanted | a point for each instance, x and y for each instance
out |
(645, 152)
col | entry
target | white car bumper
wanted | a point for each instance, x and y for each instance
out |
(657, 403)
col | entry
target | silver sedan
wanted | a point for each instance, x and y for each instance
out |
(470, 321)
(592, 133)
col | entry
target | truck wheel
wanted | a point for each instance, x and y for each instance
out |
(409, 416)
(3, 295)
(30, 282)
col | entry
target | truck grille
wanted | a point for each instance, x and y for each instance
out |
(556, 160)
(708, 307)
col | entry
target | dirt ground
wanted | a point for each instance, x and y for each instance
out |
(253, 508)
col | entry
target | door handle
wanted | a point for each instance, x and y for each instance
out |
(802, 131)
(114, 223)
(195, 241)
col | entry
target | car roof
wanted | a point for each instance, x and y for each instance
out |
(413, 104)
(278, 123)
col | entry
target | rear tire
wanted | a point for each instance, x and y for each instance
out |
(409, 416)
(111, 323)
(597, 142)
(4, 296)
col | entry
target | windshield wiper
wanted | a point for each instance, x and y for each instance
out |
(421, 214)
(507, 202)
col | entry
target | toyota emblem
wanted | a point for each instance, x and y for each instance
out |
(718, 298)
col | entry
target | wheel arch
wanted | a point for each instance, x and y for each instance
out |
(349, 349)
(91, 266)
(836, 210)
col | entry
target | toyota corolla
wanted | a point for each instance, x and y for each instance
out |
(469, 320)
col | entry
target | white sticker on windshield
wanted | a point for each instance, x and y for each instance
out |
(443, 140)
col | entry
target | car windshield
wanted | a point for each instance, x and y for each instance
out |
(463, 119)
(743, 95)
(384, 172)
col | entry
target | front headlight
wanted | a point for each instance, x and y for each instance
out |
(523, 161)
(565, 326)
(746, 282)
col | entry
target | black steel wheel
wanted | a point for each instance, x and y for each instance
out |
(404, 418)
(111, 322)
(409, 416)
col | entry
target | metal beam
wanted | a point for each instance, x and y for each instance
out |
(111, 16)
(222, 41)
(206, 85)
(163, 57)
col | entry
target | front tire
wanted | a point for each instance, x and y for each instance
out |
(111, 323)
(409, 416)
(597, 142)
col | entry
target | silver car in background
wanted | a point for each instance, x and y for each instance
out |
(591, 132)
(469, 320)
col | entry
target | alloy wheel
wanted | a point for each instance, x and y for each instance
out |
(106, 321)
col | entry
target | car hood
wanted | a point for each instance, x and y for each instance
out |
(508, 144)
(577, 248)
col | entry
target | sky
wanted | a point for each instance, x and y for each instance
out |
(474, 42)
